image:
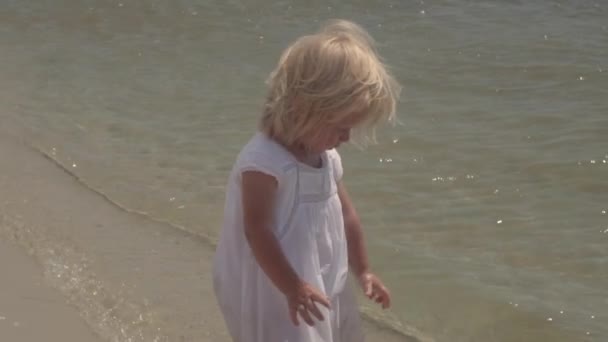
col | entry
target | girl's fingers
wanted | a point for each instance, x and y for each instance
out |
(385, 301)
(303, 311)
(312, 307)
(386, 304)
(383, 297)
(380, 295)
(367, 287)
(293, 313)
(305, 305)
(320, 299)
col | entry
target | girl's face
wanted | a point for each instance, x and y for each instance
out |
(333, 135)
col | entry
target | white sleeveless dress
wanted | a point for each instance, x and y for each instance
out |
(310, 229)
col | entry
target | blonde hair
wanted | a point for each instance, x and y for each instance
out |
(326, 78)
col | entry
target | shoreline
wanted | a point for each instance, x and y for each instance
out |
(108, 266)
(31, 310)
(59, 213)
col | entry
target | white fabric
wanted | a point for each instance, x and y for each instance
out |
(310, 229)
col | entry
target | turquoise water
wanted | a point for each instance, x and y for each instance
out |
(485, 212)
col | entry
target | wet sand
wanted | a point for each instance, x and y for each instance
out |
(117, 270)
(30, 310)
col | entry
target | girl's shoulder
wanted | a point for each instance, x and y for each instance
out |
(264, 155)
(335, 162)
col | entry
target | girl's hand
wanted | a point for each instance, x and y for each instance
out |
(374, 289)
(303, 301)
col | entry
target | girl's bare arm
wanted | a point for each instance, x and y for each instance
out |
(357, 254)
(259, 199)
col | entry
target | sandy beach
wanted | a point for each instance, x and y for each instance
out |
(30, 310)
(112, 267)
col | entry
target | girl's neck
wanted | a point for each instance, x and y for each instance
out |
(301, 153)
(305, 156)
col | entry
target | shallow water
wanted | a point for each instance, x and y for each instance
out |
(485, 211)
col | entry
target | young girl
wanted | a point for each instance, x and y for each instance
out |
(290, 230)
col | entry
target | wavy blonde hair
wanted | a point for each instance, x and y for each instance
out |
(325, 78)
